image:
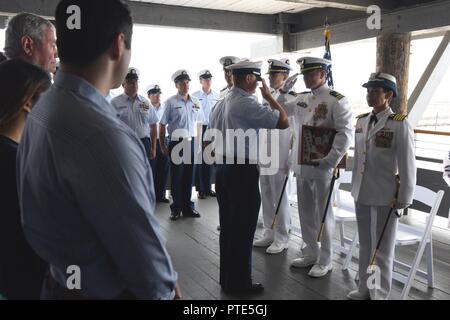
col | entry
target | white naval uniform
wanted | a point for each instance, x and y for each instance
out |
(271, 181)
(322, 107)
(381, 151)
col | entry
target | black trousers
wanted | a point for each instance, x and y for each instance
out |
(203, 173)
(239, 202)
(181, 179)
(147, 142)
(160, 168)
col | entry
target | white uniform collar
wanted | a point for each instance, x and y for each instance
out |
(383, 113)
(321, 89)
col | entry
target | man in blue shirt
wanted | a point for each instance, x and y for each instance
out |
(161, 165)
(239, 114)
(184, 117)
(135, 111)
(208, 98)
(84, 181)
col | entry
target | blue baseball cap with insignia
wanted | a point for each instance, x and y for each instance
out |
(382, 80)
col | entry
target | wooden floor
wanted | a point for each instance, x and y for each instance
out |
(194, 247)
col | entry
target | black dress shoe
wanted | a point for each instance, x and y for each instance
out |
(163, 200)
(175, 216)
(254, 288)
(212, 194)
(191, 214)
(202, 195)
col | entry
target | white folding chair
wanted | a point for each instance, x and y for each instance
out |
(409, 235)
(344, 211)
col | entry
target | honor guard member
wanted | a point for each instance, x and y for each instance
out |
(237, 179)
(208, 98)
(135, 111)
(226, 62)
(384, 148)
(272, 178)
(184, 116)
(161, 164)
(322, 107)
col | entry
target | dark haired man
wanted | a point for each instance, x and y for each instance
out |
(86, 191)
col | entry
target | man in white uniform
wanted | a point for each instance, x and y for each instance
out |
(322, 107)
(272, 176)
(384, 147)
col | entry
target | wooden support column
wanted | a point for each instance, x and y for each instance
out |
(393, 50)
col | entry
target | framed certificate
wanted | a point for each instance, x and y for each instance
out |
(315, 144)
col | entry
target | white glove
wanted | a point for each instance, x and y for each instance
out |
(289, 84)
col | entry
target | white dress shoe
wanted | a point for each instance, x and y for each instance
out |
(319, 270)
(277, 247)
(263, 242)
(357, 295)
(303, 262)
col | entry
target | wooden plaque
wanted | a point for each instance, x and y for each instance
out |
(315, 144)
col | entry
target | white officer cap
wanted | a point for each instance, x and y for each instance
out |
(383, 80)
(153, 89)
(279, 66)
(228, 61)
(180, 75)
(247, 67)
(312, 63)
(132, 74)
(205, 74)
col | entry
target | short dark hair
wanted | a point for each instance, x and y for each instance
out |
(101, 22)
(20, 81)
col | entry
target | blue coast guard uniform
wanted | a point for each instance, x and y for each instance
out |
(136, 112)
(182, 118)
(161, 164)
(237, 182)
(203, 171)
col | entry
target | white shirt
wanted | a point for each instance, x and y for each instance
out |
(207, 100)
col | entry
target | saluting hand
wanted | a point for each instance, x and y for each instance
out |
(289, 84)
(265, 90)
